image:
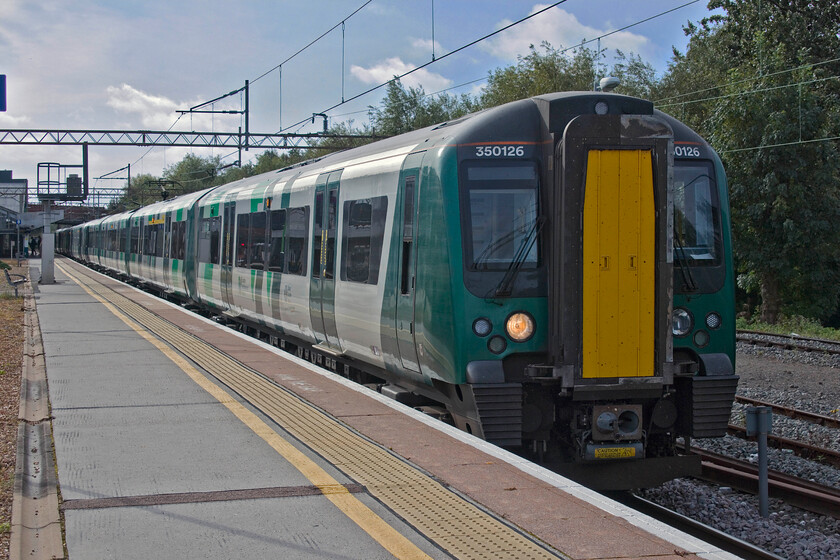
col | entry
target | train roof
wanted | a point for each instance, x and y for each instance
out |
(497, 123)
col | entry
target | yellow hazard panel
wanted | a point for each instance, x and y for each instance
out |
(619, 236)
(615, 453)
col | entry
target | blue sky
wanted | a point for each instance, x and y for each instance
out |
(130, 64)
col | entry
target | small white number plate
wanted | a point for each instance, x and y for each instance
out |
(499, 151)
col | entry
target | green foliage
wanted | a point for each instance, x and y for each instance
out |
(538, 73)
(754, 82)
(796, 324)
(406, 109)
(786, 197)
(194, 173)
(549, 70)
(638, 78)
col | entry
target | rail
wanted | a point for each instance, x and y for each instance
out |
(795, 491)
(795, 413)
(801, 449)
(788, 341)
(738, 547)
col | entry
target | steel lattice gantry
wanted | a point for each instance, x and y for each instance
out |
(238, 140)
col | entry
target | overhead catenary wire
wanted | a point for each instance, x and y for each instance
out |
(434, 59)
(450, 53)
(749, 92)
(641, 21)
(491, 35)
(745, 80)
(324, 34)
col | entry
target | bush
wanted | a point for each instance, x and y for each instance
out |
(795, 324)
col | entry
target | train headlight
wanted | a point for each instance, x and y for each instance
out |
(520, 326)
(713, 320)
(681, 322)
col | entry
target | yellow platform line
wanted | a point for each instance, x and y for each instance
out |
(347, 503)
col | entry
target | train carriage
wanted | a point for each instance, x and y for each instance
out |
(112, 248)
(158, 236)
(555, 272)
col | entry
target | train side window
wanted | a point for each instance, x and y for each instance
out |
(256, 241)
(208, 239)
(159, 239)
(178, 239)
(149, 239)
(297, 235)
(408, 234)
(362, 236)
(167, 237)
(277, 241)
(329, 269)
(317, 234)
(243, 225)
(135, 237)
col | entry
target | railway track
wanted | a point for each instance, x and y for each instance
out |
(801, 449)
(738, 547)
(795, 413)
(743, 476)
(789, 341)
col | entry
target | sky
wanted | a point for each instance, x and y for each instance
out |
(131, 64)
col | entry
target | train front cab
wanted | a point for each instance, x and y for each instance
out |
(607, 384)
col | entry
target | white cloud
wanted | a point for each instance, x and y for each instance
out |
(425, 45)
(394, 66)
(11, 121)
(560, 28)
(157, 112)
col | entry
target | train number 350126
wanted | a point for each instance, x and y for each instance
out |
(499, 151)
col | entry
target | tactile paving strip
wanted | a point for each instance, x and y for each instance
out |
(455, 524)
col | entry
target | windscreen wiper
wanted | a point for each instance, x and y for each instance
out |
(682, 262)
(503, 289)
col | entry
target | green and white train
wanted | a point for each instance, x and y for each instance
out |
(554, 273)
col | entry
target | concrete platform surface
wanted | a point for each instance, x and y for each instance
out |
(159, 456)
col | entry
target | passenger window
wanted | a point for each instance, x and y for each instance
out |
(277, 256)
(297, 234)
(362, 236)
(256, 244)
(208, 239)
(178, 239)
(317, 234)
(243, 225)
(289, 234)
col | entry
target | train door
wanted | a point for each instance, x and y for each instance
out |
(405, 320)
(322, 286)
(167, 257)
(612, 256)
(228, 231)
(619, 236)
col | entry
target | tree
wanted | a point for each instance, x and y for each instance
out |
(538, 73)
(768, 105)
(548, 70)
(406, 109)
(194, 173)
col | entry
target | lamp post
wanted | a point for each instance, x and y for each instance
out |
(17, 243)
(11, 244)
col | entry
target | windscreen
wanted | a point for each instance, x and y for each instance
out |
(501, 203)
(697, 239)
